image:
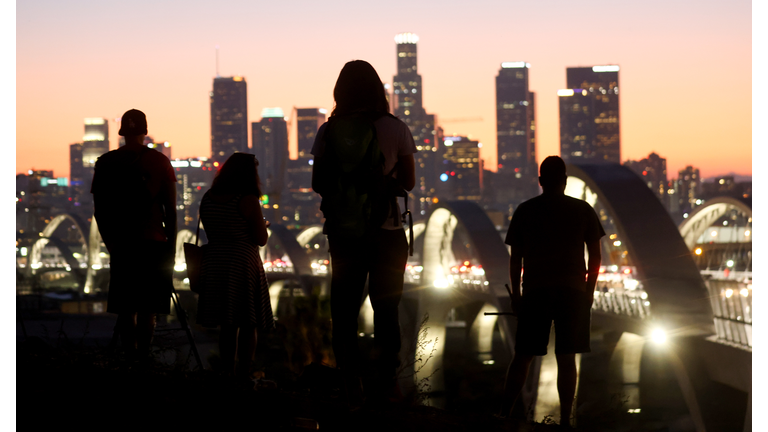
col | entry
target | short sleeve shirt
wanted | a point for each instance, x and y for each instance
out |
(550, 231)
(395, 140)
(158, 170)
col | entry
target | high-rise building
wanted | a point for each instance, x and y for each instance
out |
(302, 204)
(95, 140)
(589, 115)
(653, 171)
(408, 94)
(229, 117)
(515, 133)
(461, 171)
(688, 188)
(194, 176)
(270, 145)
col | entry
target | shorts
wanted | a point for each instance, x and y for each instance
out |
(571, 312)
(140, 278)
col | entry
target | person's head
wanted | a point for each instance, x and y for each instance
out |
(359, 88)
(133, 126)
(552, 175)
(238, 175)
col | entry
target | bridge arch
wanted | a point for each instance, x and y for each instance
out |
(662, 259)
(692, 228)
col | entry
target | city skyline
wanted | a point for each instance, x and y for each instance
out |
(458, 80)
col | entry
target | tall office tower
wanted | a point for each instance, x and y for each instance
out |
(461, 170)
(229, 117)
(688, 188)
(45, 197)
(77, 174)
(516, 134)
(407, 102)
(194, 177)
(653, 171)
(270, 145)
(590, 131)
(303, 205)
(95, 140)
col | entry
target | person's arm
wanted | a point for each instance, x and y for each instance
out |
(250, 208)
(515, 269)
(593, 266)
(406, 171)
(168, 200)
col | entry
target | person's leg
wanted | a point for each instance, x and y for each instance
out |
(348, 273)
(145, 330)
(228, 348)
(246, 348)
(566, 385)
(572, 328)
(517, 373)
(126, 325)
(389, 255)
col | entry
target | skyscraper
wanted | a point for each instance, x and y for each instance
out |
(303, 202)
(515, 133)
(229, 117)
(653, 171)
(270, 145)
(461, 171)
(95, 141)
(688, 188)
(594, 100)
(407, 102)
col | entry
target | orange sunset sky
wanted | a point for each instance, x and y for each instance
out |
(685, 79)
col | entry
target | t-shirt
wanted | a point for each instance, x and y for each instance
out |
(550, 231)
(157, 169)
(395, 140)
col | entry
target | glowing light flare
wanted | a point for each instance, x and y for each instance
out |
(605, 68)
(698, 251)
(440, 283)
(565, 92)
(744, 292)
(659, 336)
(728, 293)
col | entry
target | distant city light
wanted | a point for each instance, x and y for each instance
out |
(617, 243)
(729, 263)
(406, 38)
(272, 113)
(444, 177)
(565, 92)
(728, 293)
(698, 251)
(747, 233)
(744, 292)
(606, 68)
(517, 64)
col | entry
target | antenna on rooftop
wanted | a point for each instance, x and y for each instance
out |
(217, 61)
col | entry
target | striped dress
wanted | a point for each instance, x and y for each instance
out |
(235, 288)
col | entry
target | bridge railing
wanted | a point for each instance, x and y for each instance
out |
(732, 307)
(610, 298)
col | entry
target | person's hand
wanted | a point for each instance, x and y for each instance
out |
(516, 301)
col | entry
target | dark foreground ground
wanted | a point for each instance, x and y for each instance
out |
(91, 388)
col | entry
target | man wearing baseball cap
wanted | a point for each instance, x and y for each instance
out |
(134, 195)
(546, 236)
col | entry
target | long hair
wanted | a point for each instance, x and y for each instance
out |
(238, 175)
(359, 88)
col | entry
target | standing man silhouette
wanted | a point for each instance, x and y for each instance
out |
(134, 196)
(547, 237)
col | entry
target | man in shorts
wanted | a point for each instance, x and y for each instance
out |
(134, 196)
(547, 237)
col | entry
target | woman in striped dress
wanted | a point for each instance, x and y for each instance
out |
(235, 291)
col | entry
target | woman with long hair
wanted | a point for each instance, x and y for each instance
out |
(380, 254)
(235, 292)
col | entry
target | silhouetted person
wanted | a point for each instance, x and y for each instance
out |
(547, 236)
(134, 197)
(363, 247)
(235, 291)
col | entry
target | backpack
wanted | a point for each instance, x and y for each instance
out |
(357, 196)
(122, 199)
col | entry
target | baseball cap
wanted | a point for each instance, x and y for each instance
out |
(133, 122)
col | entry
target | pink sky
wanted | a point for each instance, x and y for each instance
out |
(686, 68)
